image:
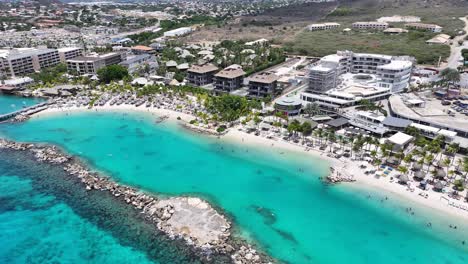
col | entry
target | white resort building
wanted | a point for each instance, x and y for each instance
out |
(323, 26)
(342, 79)
(421, 26)
(373, 25)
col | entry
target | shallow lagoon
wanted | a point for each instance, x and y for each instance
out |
(276, 200)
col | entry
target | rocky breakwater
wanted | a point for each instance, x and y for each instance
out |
(337, 177)
(191, 219)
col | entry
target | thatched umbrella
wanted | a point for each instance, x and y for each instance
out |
(440, 173)
(440, 163)
(419, 175)
(403, 178)
(392, 160)
(438, 186)
(417, 166)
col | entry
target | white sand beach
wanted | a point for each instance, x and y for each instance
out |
(434, 200)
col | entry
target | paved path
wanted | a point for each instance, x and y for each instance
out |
(455, 48)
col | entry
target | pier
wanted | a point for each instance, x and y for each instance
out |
(25, 111)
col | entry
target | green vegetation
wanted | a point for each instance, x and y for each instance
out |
(450, 76)
(465, 56)
(230, 107)
(51, 75)
(367, 105)
(341, 11)
(112, 73)
(233, 52)
(321, 43)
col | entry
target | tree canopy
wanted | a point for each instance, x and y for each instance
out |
(112, 73)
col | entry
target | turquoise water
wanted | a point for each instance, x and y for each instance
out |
(276, 200)
(39, 229)
(10, 103)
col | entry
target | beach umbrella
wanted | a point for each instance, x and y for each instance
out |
(392, 160)
(419, 175)
(417, 166)
(438, 186)
(403, 178)
(440, 173)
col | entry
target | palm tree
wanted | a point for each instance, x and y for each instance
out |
(450, 75)
(446, 163)
(332, 139)
(428, 160)
(311, 109)
(373, 155)
(453, 149)
(402, 169)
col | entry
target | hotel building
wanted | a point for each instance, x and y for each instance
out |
(373, 25)
(342, 79)
(322, 26)
(421, 26)
(24, 61)
(91, 64)
(69, 53)
(229, 79)
(200, 75)
(263, 85)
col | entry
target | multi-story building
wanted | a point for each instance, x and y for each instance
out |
(342, 79)
(263, 85)
(69, 53)
(229, 79)
(323, 76)
(373, 25)
(200, 75)
(91, 64)
(15, 64)
(139, 62)
(24, 61)
(421, 26)
(43, 58)
(322, 26)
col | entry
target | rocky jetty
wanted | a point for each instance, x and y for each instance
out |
(201, 130)
(337, 178)
(20, 118)
(188, 218)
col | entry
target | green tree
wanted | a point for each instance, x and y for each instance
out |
(112, 73)
(450, 75)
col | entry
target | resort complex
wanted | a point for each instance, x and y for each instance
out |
(218, 131)
(343, 79)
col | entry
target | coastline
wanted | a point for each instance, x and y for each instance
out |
(204, 229)
(349, 167)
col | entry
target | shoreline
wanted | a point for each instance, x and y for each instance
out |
(434, 201)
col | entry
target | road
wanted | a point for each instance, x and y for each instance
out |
(455, 49)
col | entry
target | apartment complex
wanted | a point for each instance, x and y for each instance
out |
(91, 64)
(427, 27)
(373, 25)
(229, 79)
(20, 62)
(200, 75)
(69, 53)
(263, 85)
(323, 26)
